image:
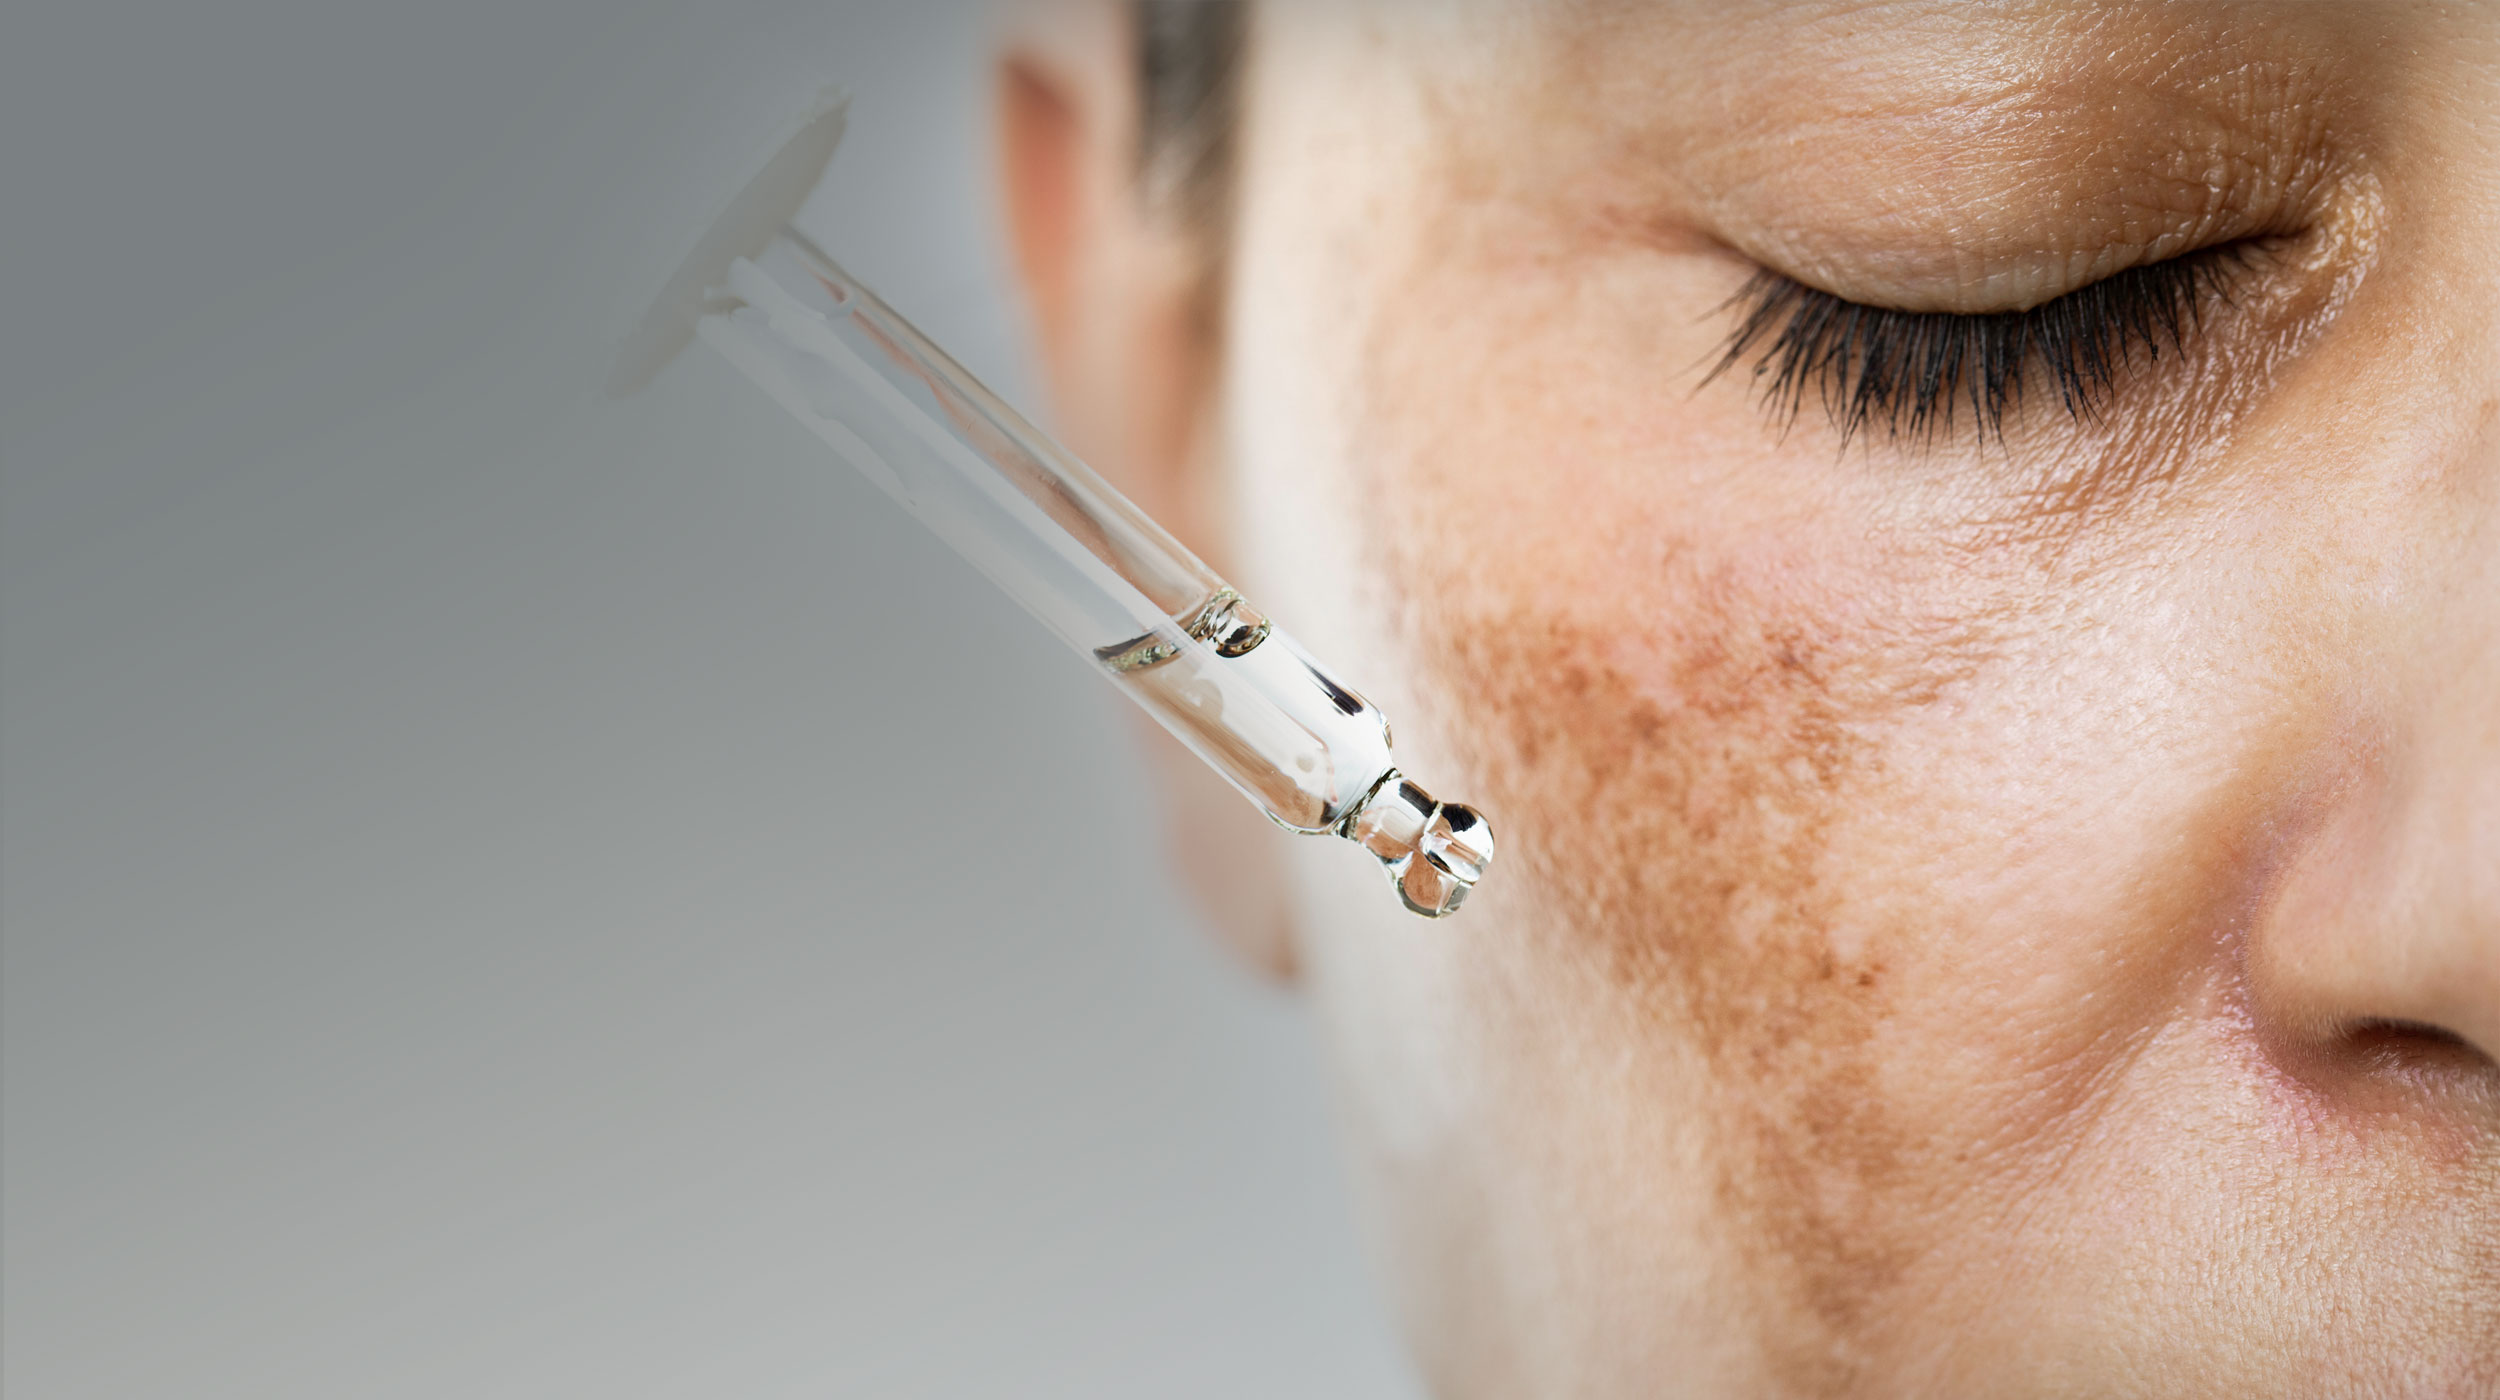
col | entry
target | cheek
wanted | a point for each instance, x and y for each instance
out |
(1681, 694)
(1678, 661)
(1680, 802)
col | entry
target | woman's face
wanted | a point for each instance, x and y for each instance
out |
(1992, 902)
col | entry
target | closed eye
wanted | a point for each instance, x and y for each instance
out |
(1915, 374)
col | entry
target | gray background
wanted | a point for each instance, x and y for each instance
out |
(512, 894)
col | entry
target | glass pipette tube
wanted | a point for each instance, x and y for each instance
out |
(1093, 568)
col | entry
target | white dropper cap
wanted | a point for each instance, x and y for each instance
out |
(769, 200)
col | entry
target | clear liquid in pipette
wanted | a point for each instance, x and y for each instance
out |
(1306, 750)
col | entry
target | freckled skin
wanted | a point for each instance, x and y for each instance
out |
(1859, 1005)
(1999, 919)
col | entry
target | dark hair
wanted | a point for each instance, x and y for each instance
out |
(1189, 55)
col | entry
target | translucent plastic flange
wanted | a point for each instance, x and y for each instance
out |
(1093, 568)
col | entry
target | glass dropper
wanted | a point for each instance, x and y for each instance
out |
(1093, 568)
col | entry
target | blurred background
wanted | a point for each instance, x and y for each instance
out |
(507, 893)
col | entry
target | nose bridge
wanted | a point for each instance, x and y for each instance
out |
(2438, 891)
(2390, 914)
(2456, 748)
(2464, 606)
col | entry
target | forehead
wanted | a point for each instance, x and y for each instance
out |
(1930, 137)
(1879, 57)
(1947, 95)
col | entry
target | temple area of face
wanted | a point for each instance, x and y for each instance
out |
(1925, 158)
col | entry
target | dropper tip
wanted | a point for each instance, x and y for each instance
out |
(1433, 851)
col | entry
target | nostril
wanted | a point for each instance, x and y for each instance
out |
(2373, 948)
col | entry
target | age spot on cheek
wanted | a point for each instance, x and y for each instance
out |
(1671, 802)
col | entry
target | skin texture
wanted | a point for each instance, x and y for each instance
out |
(1993, 917)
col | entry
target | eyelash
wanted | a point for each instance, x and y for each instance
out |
(1910, 372)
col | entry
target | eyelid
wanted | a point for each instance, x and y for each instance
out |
(1974, 267)
(1912, 372)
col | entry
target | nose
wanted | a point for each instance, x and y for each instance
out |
(2387, 918)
